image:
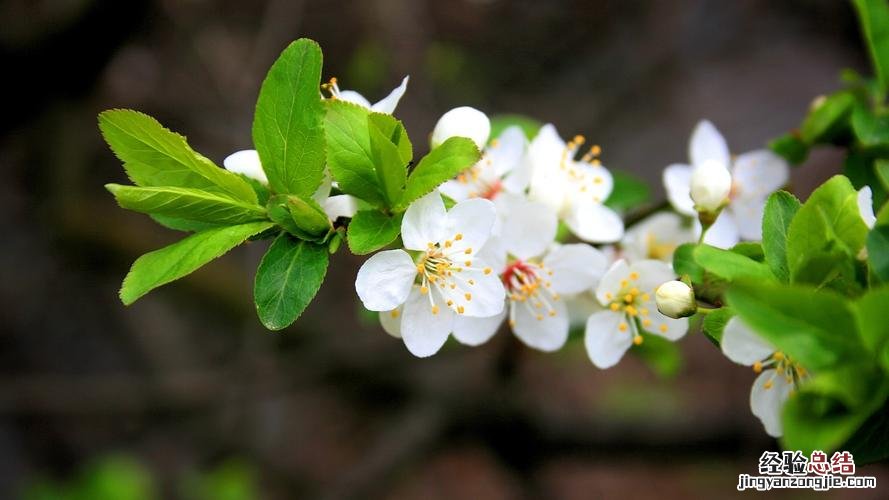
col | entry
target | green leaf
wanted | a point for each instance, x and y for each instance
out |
(684, 262)
(715, 321)
(529, 126)
(791, 148)
(391, 168)
(288, 277)
(183, 257)
(862, 170)
(729, 265)
(874, 18)
(184, 203)
(827, 118)
(153, 156)
(870, 311)
(349, 154)
(442, 163)
(870, 443)
(371, 230)
(308, 215)
(288, 126)
(814, 422)
(871, 131)
(395, 131)
(881, 169)
(828, 220)
(629, 192)
(816, 327)
(779, 211)
(750, 249)
(186, 225)
(878, 252)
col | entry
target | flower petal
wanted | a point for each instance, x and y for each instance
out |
(423, 331)
(473, 220)
(656, 237)
(476, 331)
(507, 151)
(390, 102)
(742, 345)
(493, 254)
(479, 294)
(464, 121)
(610, 284)
(456, 190)
(723, 233)
(341, 205)
(580, 307)
(767, 397)
(246, 162)
(544, 157)
(757, 174)
(384, 281)
(594, 222)
(707, 144)
(576, 267)
(537, 327)
(747, 214)
(651, 274)
(528, 227)
(677, 183)
(425, 221)
(866, 206)
(605, 343)
(391, 321)
(664, 326)
(354, 98)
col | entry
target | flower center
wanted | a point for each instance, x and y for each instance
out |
(440, 267)
(633, 303)
(332, 87)
(657, 250)
(526, 287)
(783, 366)
(485, 184)
(581, 174)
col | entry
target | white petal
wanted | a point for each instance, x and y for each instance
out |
(707, 144)
(610, 284)
(742, 345)
(493, 254)
(544, 157)
(456, 190)
(354, 98)
(866, 206)
(651, 274)
(473, 220)
(508, 150)
(767, 403)
(528, 227)
(391, 321)
(486, 293)
(759, 173)
(423, 331)
(605, 343)
(595, 223)
(425, 221)
(537, 328)
(246, 162)
(580, 307)
(656, 237)
(384, 281)
(723, 233)
(476, 331)
(388, 104)
(462, 122)
(518, 179)
(576, 267)
(677, 182)
(341, 205)
(747, 214)
(711, 185)
(664, 326)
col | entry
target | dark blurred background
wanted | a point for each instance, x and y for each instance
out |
(186, 382)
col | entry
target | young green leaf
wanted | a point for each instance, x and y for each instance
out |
(442, 163)
(684, 262)
(629, 192)
(729, 265)
(184, 203)
(874, 18)
(814, 326)
(829, 116)
(371, 230)
(391, 169)
(791, 148)
(288, 128)
(189, 226)
(870, 311)
(288, 277)
(715, 321)
(349, 154)
(827, 220)
(153, 156)
(878, 252)
(779, 211)
(395, 131)
(308, 215)
(181, 258)
(872, 131)
(750, 249)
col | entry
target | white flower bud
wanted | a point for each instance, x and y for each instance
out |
(711, 183)
(462, 122)
(675, 299)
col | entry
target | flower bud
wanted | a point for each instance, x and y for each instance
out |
(711, 183)
(675, 299)
(462, 122)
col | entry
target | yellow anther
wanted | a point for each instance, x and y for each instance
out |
(453, 286)
(615, 306)
(468, 263)
(394, 313)
(768, 384)
(646, 297)
(511, 323)
(646, 323)
(552, 313)
(637, 339)
(487, 270)
(424, 290)
(430, 245)
(450, 303)
(468, 296)
(609, 295)
(629, 298)
(460, 309)
(539, 317)
(663, 328)
(578, 139)
(434, 309)
(757, 367)
(471, 282)
(643, 311)
(778, 356)
(634, 291)
(630, 310)
(624, 283)
(597, 180)
(468, 251)
(634, 275)
(622, 327)
(448, 244)
(458, 236)
(596, 150)
(421, 268)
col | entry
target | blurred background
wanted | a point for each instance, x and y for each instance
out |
(184, 395)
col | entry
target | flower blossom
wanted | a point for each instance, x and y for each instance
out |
(656, 237)
(385, 105)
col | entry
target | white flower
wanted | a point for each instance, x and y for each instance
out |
(502, 175)
(535, 291)
(627, 291)
(574, 188)
(711, 183)
(444, 281)
(754, 176)
(866, 206)
(246, 162)
(675, 299)
(386, 105)
(778, 374)
(656, 237)
(464, 121)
